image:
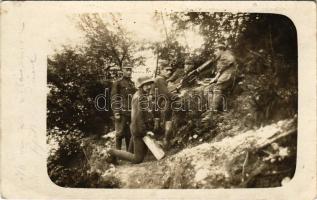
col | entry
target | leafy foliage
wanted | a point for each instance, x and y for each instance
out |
(64, 163)
(75, 77)
(73, 85)
(108, 42)
(266, 85)
(68, 164)
(169, 48)
(172, 51)
(265, 88)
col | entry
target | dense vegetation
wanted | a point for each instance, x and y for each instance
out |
(265, 92)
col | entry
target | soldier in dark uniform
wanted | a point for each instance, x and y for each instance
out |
(121, 95)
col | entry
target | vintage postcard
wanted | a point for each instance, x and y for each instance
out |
(158, 100)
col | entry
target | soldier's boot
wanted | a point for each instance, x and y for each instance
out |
(118, 142)
(168, 135)
(206, 120)
(122, 155)
(127, 142)
(156, 125)
(216, 103)
(111, 158)
(140, 151)
(131, 146)
(208, 114)
(219, 102)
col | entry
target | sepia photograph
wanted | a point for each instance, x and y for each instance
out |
(173, 100)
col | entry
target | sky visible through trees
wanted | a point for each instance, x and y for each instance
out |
(143, 27)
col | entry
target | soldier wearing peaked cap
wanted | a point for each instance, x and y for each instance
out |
(164, 114)
(121, 93)
(221, 84)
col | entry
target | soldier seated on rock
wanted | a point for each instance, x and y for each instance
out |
(223, 82)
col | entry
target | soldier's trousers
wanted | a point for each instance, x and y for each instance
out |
(122, 127)
(139, 151)
(218, 101)
(217, 92)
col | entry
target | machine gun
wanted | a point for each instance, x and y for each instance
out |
(192, 76)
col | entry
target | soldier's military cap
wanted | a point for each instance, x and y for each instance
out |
(220, 45)
(143, 80)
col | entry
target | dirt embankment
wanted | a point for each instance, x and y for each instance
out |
(247, 146)
(256, 158)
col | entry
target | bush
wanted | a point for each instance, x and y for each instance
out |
(66, 162)
(73, 86)
(69, 164)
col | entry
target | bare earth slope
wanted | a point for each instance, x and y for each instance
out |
(255, 158)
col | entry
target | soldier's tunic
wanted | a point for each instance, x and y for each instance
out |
(121, 95)
(177, 75)
(164, 102)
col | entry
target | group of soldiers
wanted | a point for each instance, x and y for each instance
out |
(133, 124)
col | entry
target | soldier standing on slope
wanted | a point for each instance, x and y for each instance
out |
(121, 95)
(163, 101)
